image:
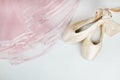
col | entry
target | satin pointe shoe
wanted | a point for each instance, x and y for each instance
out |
(80, 30)
(93, 43)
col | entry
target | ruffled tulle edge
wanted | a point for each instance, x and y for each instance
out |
(29, 40)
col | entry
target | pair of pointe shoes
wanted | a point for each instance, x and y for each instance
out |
(90, 31)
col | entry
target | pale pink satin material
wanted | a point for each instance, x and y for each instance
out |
(28, 28)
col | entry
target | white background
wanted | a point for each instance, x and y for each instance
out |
(64, 62)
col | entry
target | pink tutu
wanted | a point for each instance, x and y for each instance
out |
(28, 28)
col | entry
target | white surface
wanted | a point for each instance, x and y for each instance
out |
(64, 61)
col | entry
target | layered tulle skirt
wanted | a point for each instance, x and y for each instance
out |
(28, 28)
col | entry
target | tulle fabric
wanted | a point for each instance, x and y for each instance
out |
(28, 28)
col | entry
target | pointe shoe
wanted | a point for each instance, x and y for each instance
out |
(92, 44)
(80, 30)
